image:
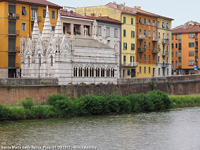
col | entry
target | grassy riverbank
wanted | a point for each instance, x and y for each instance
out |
(62, 106)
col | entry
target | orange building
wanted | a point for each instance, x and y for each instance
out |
(185, 48)
(16, 21)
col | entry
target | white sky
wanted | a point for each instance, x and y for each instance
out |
(180, 10)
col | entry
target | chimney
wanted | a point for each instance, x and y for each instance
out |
(138, 7)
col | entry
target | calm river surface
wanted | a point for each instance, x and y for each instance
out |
(171, 130)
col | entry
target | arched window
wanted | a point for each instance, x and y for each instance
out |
(102, 72)
(112, 72)
(51, 60)
(75, 72)
(87, 72)
(29, 61)
(40, 60)
(80, 72)
(108, 73)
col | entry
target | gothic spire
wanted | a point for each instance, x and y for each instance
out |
(58, 30)
(47, 26)
(36, 30)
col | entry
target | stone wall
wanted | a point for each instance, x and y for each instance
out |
(13, 90)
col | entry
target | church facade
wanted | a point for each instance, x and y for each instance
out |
(73, 60)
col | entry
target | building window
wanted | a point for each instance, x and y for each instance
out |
(191, 53)
(176, 37)
(158, 24)
(24, 11)
(140, 56)
(159, 35)
(140, 69)
(191, 44)
(116, 33)
(132, 21)
(145, 21)
(176, 54)
(124, 59)
(191, 35)
(167, 59)
(145, 32)
(167, 71)
(53, 15)
(154, 22)
(158, 59)
(158, 71)
(149, 22)
(124, 33)
(124, 20)
(176, 45)
(172, 54)
(191, 62)
(33, 13)
(149, 69)
(176, 63)
(23, 26)
(154, 57)
(29, 61)
(132, 46)
(163, 25)
(125, 46)
(172, 45)
(167, 25)
(108, 31)
(145, 45)
(149, 57)
(53, 28)
(149, 33)
(144, 69)
(172, 63)
(144, 57)
(132, 59)
(44, 13)
(149, 45)
(132, 34)
(140, 20)
(172, 37)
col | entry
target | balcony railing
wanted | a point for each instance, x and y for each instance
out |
(142, 37)
(196, 48)
(130, 64)
(14, 33)
(165, 41)
(141, 49)
(39, 18)
(155, 50)
(196, 39)
(16, 50)
(196, 57)
(13, 16)
(179, 57)
(155, 39)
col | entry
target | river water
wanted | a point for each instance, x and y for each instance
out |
(170, 130)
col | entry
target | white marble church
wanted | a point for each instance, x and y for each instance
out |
(71, 60)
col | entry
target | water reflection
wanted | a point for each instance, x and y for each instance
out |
(172, 130)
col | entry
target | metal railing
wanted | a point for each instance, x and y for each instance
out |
(155, 39)
(141, 49)
(165, 41)
(13, 16)
(14, 33)
(141, 37)
(130, 64)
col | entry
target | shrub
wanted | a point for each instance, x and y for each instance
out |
(113, 103)
(4, 112)
(51, 100)
(40, 111)
(27, 103)
(17, 113)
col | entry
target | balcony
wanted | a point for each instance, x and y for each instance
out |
(13, 33)
(196, 39)
(165, 41)
(155, 39)
(141, 50)
(155, 50)
(179, 57)
(13, 16)
(196, 58)
(39, 18)
(16, 50)
(164, 65)
(142, 37)
(196, 48)
(130, 64)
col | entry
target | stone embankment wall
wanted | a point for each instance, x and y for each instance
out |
(13, 90)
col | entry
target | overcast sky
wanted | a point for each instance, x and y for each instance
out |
(180, 10)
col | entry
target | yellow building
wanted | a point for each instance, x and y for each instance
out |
(128, 48)
(164, 57)
(16, 21)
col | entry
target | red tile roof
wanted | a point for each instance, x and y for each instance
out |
(137, 11)
(123, 11)
(76, 15)
(106, 19)
(73, 14)
(38, 2)
(188, 27)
